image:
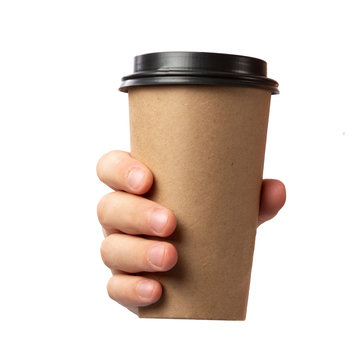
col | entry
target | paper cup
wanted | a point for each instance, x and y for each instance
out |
(205, 144)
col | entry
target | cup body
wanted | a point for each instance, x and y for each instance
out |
(205, 145)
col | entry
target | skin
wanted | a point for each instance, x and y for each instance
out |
(123, 215)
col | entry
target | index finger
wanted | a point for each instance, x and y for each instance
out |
(120, 171)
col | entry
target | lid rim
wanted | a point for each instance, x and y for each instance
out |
(181, 67)
(265, 83)
(194, 73)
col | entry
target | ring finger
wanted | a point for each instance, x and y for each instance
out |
(133, 254)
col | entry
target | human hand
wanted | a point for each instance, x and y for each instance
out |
(124, 215)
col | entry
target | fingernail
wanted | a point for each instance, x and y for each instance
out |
(145, 289)
(136, 177)
(158, 220)
(156, 255)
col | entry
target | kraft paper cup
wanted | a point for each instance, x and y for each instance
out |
(205, 144)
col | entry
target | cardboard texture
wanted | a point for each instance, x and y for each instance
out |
(205, 146)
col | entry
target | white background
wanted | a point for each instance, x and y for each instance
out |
(60, 67)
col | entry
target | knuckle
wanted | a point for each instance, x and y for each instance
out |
(107, 250)
(109, 288)
(102, 206)
(100, 166)
(104, 250)
(113, 158)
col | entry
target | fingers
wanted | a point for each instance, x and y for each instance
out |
(133, 214)
(273, 197)
(120, 171)
(122, 211)
(132, 291)
(133, 254)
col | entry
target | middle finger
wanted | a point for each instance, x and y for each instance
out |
(133, 214)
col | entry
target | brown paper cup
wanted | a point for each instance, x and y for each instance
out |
(205, 145)
(199, 122)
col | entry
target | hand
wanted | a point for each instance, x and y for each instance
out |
(123, 215)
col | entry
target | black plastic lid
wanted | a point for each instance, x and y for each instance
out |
(198, 68)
